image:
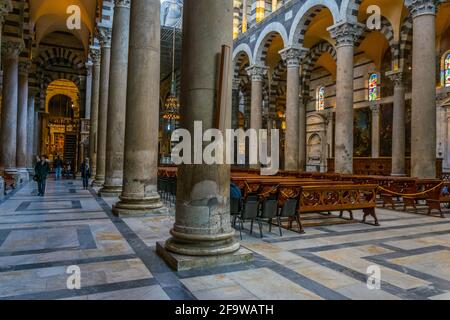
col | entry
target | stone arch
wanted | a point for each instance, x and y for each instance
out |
(349, 10)
(242, 49)
(311, 58)
(405, 45)
(52, 76)
(53, 55)
(265, 39)
(71, 92)
(241, 60)
(305, 15)
(388, 31)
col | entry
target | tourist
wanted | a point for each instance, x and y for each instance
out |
(58, 165)
(41, 171)
(85, 170)
(235, 192)
(68, 170)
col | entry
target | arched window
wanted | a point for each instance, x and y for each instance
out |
(320, 99)
(374, 93)
(447, 71)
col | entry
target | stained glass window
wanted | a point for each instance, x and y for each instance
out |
(320, 98)
(447, 70)
(373, 87)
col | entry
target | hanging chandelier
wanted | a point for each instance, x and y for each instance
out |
(172, 105)
(171, 108)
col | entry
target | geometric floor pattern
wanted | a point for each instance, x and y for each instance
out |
(41, 237)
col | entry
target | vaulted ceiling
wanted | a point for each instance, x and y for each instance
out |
(51, 16)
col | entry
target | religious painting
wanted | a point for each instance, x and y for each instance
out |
(386, 130)
(362, 133)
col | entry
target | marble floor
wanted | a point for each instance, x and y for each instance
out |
(40, 238)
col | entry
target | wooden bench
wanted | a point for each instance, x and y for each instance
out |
(340, 198)
(10, 181)
(421, 186)
(437, 197)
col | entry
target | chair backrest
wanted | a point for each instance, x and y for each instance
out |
(289, 209)
(250, 209)
(234, 206)
(269, 209)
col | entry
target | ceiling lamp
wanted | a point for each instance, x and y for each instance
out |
(172, 105)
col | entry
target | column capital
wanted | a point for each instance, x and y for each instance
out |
(24, 67)
(375, 108)
(122, 4)
(421, 7)
(11, 49)
(257, 72)
(95, 55)
(346, 33)
(397, 77)
(104, 35)
(293, 56)
(306, 98)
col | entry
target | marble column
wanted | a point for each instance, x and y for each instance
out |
(345, 35)
(8, 136)
(295, 142)
(257, 74)
(202, 235)
(302, 134)
(117, 100)
(22, 121)
(398, 124)
(5, 8)
(105, 42)
(376, 109)
(30, 130)
(140, 171)
(88, 97)
(96, 58)
(423, 118)
(235, 106)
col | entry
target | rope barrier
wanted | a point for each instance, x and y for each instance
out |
(411, 194)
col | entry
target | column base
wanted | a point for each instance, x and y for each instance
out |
(2, 188)
(398, 175)
(133, 207)
(180, 262)
(98, 183)
(110, 191)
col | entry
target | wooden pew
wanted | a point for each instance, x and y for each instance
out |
(10, 181)
(437, 197)
(340, 198)
(421, 186)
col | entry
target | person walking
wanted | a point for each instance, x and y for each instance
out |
(41, 171)
(68, 171)
(85, 170)
(58, 165)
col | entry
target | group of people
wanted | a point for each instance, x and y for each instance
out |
(42, 170)
(63, 170)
